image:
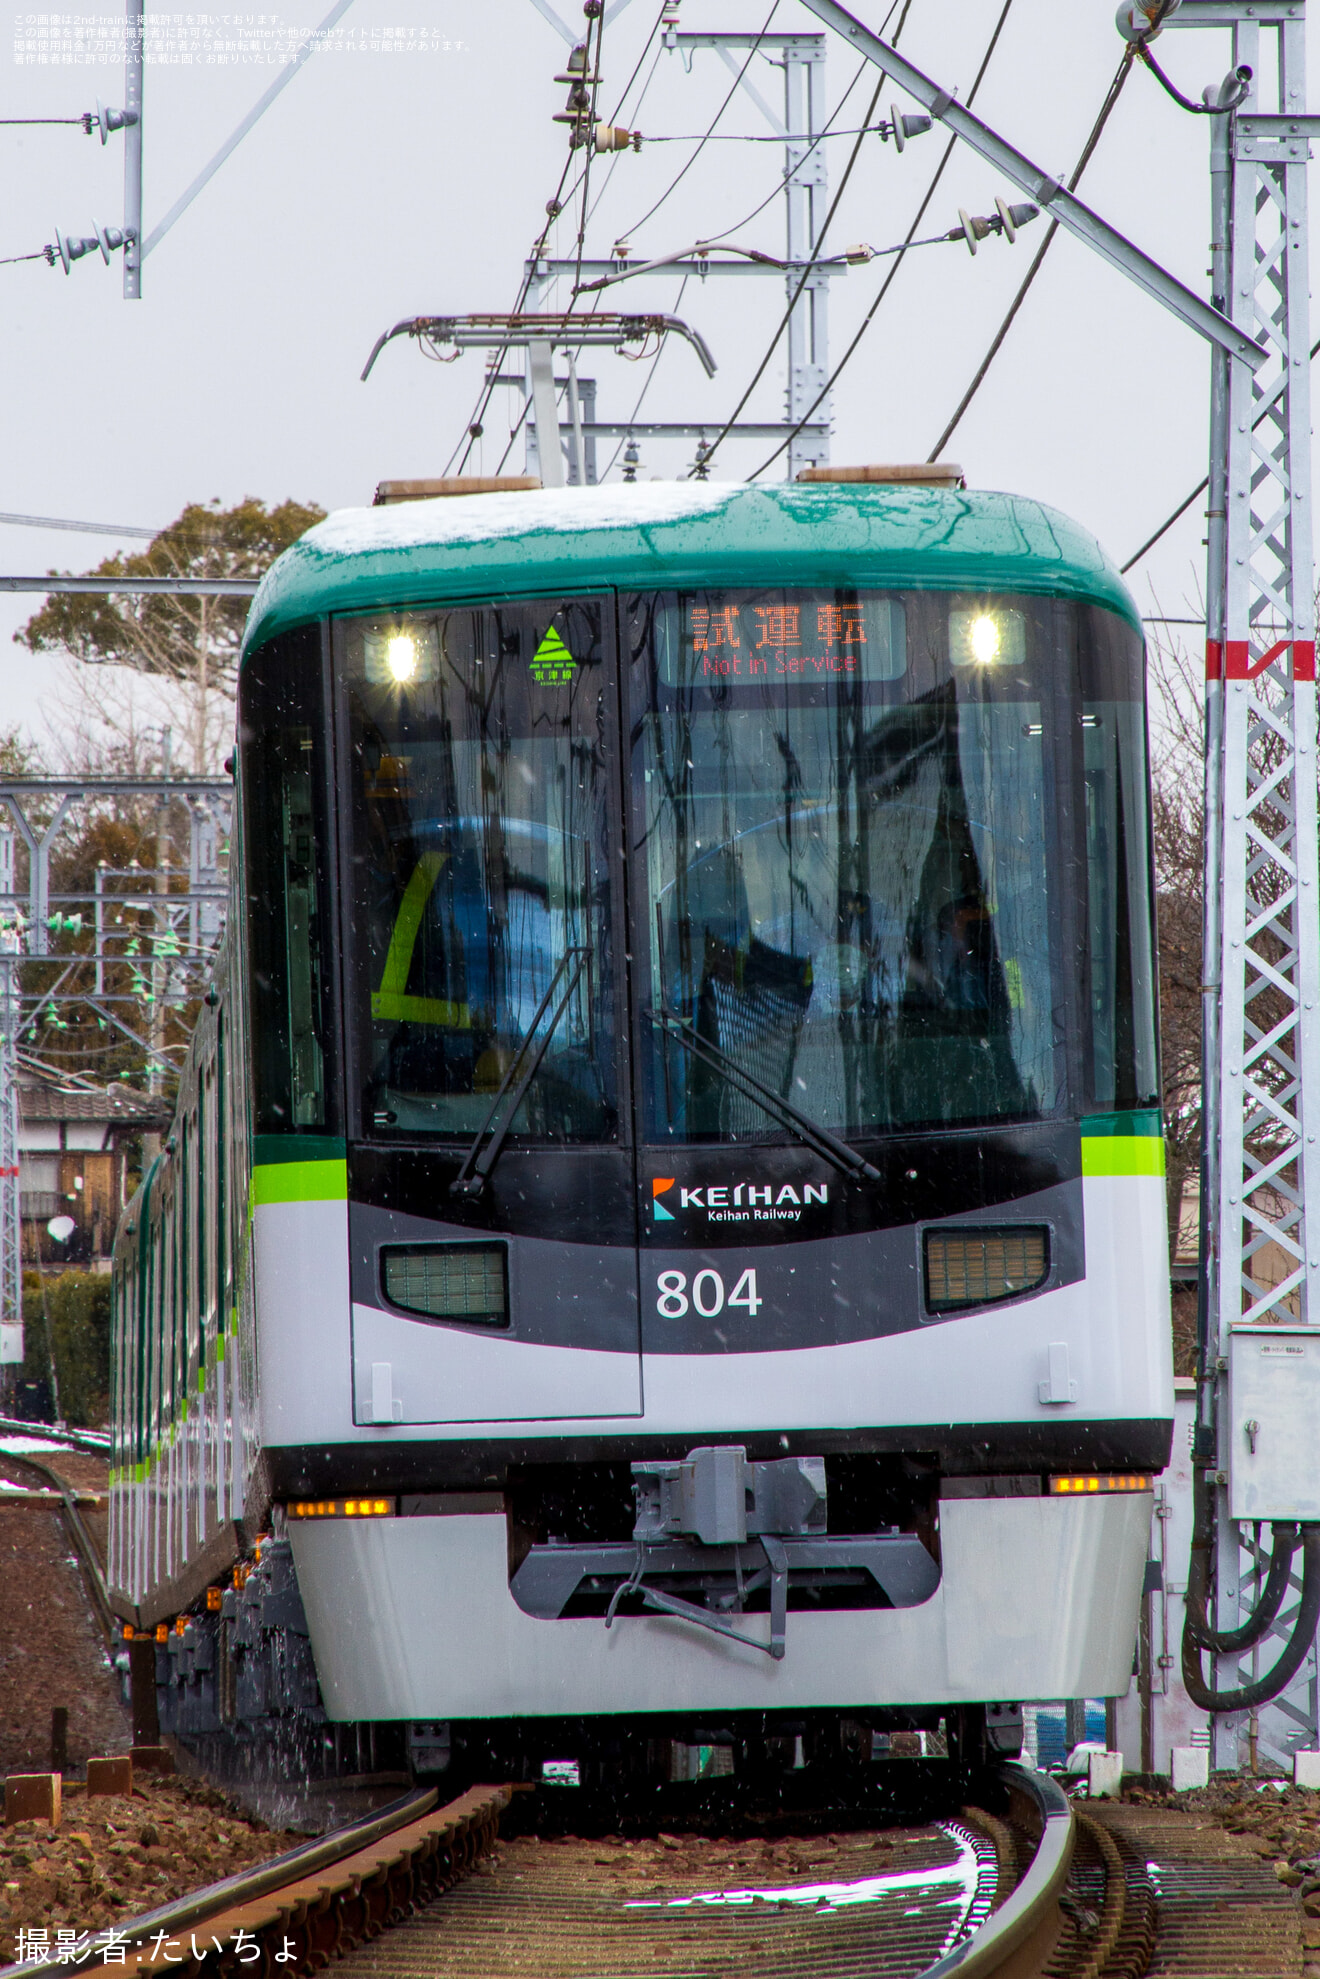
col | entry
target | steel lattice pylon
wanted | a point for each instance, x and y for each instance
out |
(11, 1258)
(1262, 960)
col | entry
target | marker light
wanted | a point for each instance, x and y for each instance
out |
(341, 1508)
(1090, 1486)
(986, 637)
(401, 657)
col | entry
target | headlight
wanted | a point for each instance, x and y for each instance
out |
(400, 655)
(986, 636)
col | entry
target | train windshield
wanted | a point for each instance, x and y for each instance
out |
(845, 808)
(480, 884)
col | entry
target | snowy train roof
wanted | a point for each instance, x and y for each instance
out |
(662, 535)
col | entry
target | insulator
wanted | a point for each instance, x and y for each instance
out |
(631, 457)
(110, 238)
(972, 227)
(1136, 19)
(1013, 217)
(69, 248)
(106, 120)
(611, 137)
(576, 67)
(857, 256)
(903, 125)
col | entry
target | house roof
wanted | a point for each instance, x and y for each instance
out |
(46, 1099)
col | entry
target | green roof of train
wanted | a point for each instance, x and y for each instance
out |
(662, 535)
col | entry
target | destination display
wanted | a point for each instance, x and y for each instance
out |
(743, 637)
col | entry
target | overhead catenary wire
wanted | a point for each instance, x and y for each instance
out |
(812, 261)
(688, 163)
(647, 382)
(480, 408)
(476, 417)
(1199, 489)
(821, 135)
(554, 206)
(1121, 75)
(762, 137)
(590, 127)
(655, 207)
(890, 278)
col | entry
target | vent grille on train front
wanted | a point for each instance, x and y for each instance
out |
(976, 1267)
(468, 1282)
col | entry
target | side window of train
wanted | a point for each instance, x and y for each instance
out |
(1124, 1069)
(283, 744)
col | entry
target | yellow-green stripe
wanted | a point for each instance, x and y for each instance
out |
(300, 1182)
(1122, 1154)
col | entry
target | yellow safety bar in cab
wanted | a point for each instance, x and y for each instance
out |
(391, 1002)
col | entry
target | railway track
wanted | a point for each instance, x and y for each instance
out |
(1041, 1889)
(1038, 1891)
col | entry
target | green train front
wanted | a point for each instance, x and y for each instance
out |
(706, 1178)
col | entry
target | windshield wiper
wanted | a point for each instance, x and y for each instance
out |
(819, 1139)
(479, 1160)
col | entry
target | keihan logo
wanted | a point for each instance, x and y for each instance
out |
(739, 1202)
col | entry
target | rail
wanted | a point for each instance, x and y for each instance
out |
(1019, 1937)
(310, 1905)
(94, 1441)
(65, 1499)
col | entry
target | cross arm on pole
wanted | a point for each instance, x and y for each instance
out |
(1063, 206)
(231, 143)
(740, 76)
(153, 1057)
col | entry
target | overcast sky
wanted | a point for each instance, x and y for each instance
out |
(385, 184)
